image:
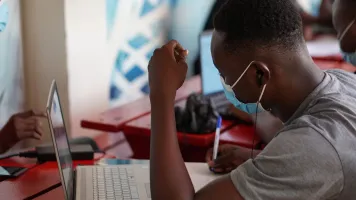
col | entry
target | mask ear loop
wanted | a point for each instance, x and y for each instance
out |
(347, 29)
(243, 73)
(255, 125)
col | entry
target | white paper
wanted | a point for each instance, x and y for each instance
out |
(324, 47)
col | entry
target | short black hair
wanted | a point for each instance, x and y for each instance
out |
(259, 23)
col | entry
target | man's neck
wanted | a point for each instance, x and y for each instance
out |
(297, 86)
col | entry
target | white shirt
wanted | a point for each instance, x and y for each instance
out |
(11, 69)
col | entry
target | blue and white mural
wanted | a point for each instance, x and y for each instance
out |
(136, 27)
(310, 6)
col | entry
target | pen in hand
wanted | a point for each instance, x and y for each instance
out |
(217, 138)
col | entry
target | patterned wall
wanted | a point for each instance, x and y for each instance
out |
(11, 69)
(135, 29)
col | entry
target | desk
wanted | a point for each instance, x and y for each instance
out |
(41, 178)
(46, 180)
(199, 172)
(134, 120)
(114, 120)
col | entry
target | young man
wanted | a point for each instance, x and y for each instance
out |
(344, 18)
(258, 48)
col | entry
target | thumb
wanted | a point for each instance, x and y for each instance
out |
(30, 113)
(182, 63)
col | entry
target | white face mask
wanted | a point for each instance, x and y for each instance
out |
(349, 57)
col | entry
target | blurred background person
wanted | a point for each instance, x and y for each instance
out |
(344, 17)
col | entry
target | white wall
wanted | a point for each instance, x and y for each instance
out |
(44, 52)
(66, 40)
(88, 69)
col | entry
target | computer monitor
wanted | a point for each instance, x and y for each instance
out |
(211, 83)
(60, 141)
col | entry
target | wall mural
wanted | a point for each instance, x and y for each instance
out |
(135, 28)
(11, 64)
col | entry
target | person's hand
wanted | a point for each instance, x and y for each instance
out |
(229, 158)
(167, 68)
(26, 125)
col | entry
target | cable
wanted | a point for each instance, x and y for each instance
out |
(25, 154)
(254, 135)
(28, 154)
(9, 156)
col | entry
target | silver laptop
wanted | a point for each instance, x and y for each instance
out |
(92, 182)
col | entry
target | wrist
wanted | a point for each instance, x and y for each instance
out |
(159, 96)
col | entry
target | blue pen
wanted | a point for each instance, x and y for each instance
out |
(217, 138)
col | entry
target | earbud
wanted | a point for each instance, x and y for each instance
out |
(259, 75)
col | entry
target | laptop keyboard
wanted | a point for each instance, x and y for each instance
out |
(114, 184)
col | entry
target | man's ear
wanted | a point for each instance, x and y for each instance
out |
(263, 74)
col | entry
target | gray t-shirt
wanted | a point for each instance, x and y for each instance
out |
(314, 155)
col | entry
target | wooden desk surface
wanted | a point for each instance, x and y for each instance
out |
(40, 177)
(114, 119)
(199, 172)
(55, 194)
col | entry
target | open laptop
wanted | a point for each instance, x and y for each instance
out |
(104, 182)
(211, 84)
(92, 182)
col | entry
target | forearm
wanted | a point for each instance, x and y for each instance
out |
(4, 143)
(169, 176)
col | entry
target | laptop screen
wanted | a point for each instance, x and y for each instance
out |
(64, 158)
(210, 75)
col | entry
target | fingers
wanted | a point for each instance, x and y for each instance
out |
(29, 127)
(176, 50)
(209, 157)
(32, 123)
(31, 113)
(171, 45)
(223, 161)
(30, 134)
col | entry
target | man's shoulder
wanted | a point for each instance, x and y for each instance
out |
(341, 74)
(343, 79)
(296, 158)
(301, 136)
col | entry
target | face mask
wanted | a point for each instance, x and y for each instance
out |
(249, 108)
(349, 57)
